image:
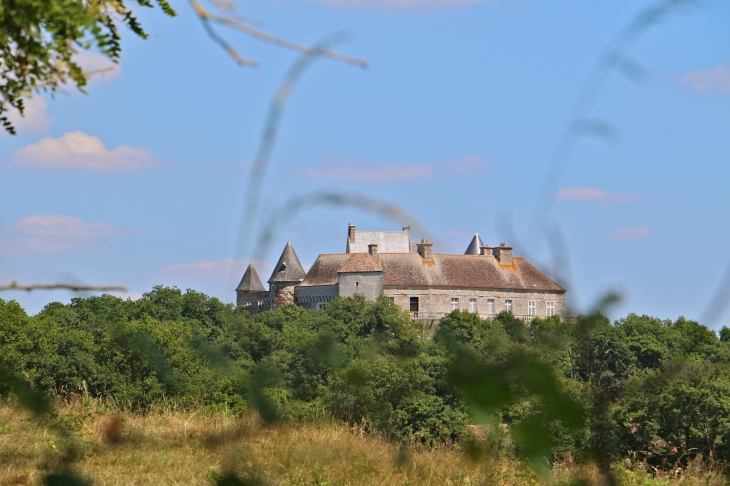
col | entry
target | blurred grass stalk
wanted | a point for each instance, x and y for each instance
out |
(171, 445)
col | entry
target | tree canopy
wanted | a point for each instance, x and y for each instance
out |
(39, 40)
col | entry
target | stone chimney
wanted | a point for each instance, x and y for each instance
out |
(351, 232)
(503, 254)
(425, 249)
(485, 250)
(373, 250)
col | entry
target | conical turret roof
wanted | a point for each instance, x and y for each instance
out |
(251, 281)
(288, 268)
(474, 246)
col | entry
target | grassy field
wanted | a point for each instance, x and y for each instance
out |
(181, 447)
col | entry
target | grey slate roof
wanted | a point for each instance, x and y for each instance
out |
(250, 281)
(288, 268)
(474, 246)
(444, 270)
(387, 241)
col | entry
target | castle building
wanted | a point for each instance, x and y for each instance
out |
(484, 280)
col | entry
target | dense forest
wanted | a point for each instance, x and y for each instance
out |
(640, 388)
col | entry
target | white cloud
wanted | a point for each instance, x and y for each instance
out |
(99, 66)
(54, 234)
(716, 78)
(640, 233)
(358, 170)
(595, 194)
(390, 5)
(79, 151)
(34, 118)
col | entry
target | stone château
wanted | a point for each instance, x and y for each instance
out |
(484, 280)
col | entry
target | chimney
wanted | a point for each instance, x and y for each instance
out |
(373, 250)
(503, 254)
(351, 232)
(425, 249)
(485, 250)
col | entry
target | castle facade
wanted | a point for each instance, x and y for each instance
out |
(484, 280)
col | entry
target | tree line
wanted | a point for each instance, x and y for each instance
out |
(640, 388)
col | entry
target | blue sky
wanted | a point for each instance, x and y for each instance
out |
(142, 181)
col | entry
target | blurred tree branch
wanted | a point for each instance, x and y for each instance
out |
(56, 286)
(229, 18)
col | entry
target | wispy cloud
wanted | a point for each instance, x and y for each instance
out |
(79, 151)
(359, 170)
(390, 5)
(27, 245)
(640, 233)
(54, 234)
(128, 295)
(102, 68)
(58, 225)
(716, 78)
(207, 271)
(595, 194)
(34, 119)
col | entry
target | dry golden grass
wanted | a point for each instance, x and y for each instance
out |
(181, 447)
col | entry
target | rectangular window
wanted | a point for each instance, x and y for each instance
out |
(414, 304)
(357, 284)
(530, 307)
(490, 306)
(454, 303)
(392, 300)
(320, 305)
(473, 305)
(508, 305)
(550, 309)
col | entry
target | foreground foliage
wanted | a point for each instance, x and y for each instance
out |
(640, 391)
(40, 41)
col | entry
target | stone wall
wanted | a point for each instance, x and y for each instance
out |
(369, 284)
(438, 301)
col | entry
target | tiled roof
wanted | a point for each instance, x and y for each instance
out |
(251, 281)
(360, 262)
(324, 270)
(454, 271)
(288, 268)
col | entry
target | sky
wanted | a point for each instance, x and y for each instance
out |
(603, 162)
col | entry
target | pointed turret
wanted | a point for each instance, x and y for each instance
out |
(288, 268)
(250, 281)
(474, 246)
